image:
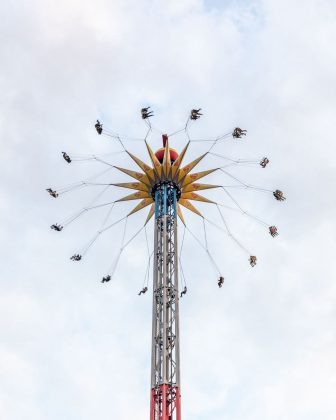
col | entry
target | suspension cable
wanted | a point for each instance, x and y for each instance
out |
(215, 266)
(97, 234)
(180, 259)
(183, 278)
(82, 157)
(147, 134)
(115, 136)
(69, 187)
(228, 231)
(149, 125)
(108, 130)
(238, 161)
(215, 140)
(147, 242)
(114, 265)
(110, 133)
(241, 210)
(244, 183)
(182, 243)
(218, 140)
(122, 137)
(107, 216)
(176, 132)
(146, 279)
(75, 216)
(245, 213)
(234, 200)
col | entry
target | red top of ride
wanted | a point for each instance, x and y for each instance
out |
(172, 152)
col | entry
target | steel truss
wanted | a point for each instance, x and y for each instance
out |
(165, 381)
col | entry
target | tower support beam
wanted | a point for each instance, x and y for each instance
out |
(165, 377)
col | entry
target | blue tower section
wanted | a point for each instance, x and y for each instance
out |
(165, 200)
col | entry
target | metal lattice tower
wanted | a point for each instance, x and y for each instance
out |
(165, 377)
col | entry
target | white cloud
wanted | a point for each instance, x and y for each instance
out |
(263, 346)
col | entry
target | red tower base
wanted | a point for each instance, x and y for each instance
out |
(165, 403)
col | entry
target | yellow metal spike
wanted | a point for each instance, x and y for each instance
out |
(144, 203)
(189, 206)
(166, 164)
(180, 214)
(135, 196)
(186, 169)
(147, 169)
(155, 161)
(137, 175)
(133, 186)
(178, 161)
(150, 214)
(196, 197)
(198, 187)
(198, 175)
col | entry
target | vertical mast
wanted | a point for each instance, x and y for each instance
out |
(165, 380)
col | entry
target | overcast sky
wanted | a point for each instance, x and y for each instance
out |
(262, 347)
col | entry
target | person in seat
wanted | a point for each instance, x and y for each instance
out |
(53, 193)
(143, 291)
(66, 157)
(145, 113)
(220, 281)
(99, 127)
(184, 291)
(56, 227)
(76, 257)
(238, 133)
(253, 260)
(264, 162)
(195, 114)
(279, 195)
(106, 279)
(273, 231)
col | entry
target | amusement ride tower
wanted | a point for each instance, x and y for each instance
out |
(165, 367)
(165, 186)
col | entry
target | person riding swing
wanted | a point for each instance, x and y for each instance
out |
(238, 133)
(273, 231)
(279, 195)
(195, 114)
(99, 127)
(264, 162)
(76, 257)
(66, 157)
(143, 291)
(253, 260)
(56, 227)
(145, 113)
(52, 192)
(106, 279)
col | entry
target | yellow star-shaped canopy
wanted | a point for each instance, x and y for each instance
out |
(166, 167)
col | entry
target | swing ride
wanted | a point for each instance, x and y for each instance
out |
(167, 187)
